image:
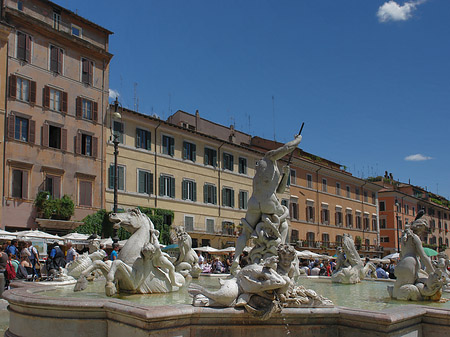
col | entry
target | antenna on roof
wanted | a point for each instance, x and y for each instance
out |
(273, 115)
(170, 97)
(136, 99)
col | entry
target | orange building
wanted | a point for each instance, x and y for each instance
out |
(399, 204)
(58, 81)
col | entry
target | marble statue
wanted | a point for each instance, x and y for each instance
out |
(442, 263)
(141, 266)
(349, 267)
(412, 282)
(267, 284)
(84, 261)
(187, 261)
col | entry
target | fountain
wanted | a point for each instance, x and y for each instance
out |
(261, 299)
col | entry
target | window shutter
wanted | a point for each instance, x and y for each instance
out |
(24, 184)
(64, 102)
(214, 195)
(232, 198)
(91, 71)
(21, 46)
(148, 140)
(150, 190)
(121, 175)
(111, 177)
(223, 197)
(205, 161)
(161, 185)
(54, 58)
(183, 190)
(185, 150)
(95, 111)
(60, 60)
(172, 187)
(11, 126)
(78, 143)
(232, 163)
(45, 130)
(214, 159)
(141, 187)
(138, 138)
(194, 191)
(78, 112)
(64, 139)
(31, 131)
(194, 152)
(322, 218)
(46, 102)
(56, 187)
(28, 49)
(12, 86)
(205, 193)
(94, 147)
(172, 146)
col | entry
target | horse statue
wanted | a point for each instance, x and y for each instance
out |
(140, 267)
(349, 267)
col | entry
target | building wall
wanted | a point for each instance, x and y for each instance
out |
(39, 159)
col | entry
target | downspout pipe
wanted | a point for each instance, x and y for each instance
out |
(318, 201)
(219, 168)
(156, 166)
(5, 130)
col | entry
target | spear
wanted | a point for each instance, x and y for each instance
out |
(290, 158)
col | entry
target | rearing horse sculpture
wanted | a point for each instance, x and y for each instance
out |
(137, 268)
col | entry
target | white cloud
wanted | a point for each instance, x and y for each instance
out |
(113, 94)
(392, 11)
(417, 157)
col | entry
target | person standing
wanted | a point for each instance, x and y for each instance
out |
(34, 257)
(115, 252)
(12, 248)
(71, 253)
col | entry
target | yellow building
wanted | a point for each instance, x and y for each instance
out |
(58, 73)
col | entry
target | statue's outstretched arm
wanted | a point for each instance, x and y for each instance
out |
(284, 150)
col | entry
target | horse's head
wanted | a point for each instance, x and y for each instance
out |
(132, 220)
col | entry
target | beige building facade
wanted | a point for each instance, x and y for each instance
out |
(58, 73)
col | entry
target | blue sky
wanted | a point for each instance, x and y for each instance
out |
(370, 79)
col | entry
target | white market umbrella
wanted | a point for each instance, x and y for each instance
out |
(392, 256)
(74, 237)
(106, 242)
(307, 254)
(5, 235)
(226, 250)
(37, 234)
(206, 249)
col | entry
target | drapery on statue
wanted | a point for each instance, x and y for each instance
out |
(349, 267)
(141, 266)
(412, 282)
(266, 285)
(266, 183)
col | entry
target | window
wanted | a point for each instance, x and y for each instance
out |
(76, 31)
(227, 197)
(357, 193)
(210, 157)
(54, 137)
(21, 129)
(374, 198)
(23, 89)
(56, 20)
(324, 185)
(382, 206)
(310, 239)
(210, 226)
(189, 223)
(383, 224)
(406, 209)
(358, 220)
(54, 99)
(325, 240)
(294, 210)
(399, 223)
(86, 144)
(294, 236)
(85, 195)
(285, 202)
(384, 239)
(189, 151)
(242, 165)
(143, 139)
(227, 228)
(309, 181)
(189, 190)
(19, 184)
(339, 239)
(374, 223)
(349, 219)
(366, 196)
(168, 145)
(310, 213)
(338, 218)
(24, 47)
(145, 182)
(338, 188)
(292, 177)
(366, 223)
(243, 198)
(228, 161)
(87, 71)
(167, 186)
(210, 194)
(120, 176)
(88, 109)
(56, 59)
(325, 216)
(349, 195)
(118, 130)
(53, 185)
(206, 242)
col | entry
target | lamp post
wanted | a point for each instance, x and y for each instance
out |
(115, 116)
(396, 224)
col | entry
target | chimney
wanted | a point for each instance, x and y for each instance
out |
(197, 119)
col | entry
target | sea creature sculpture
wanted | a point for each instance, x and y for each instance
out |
(349, 267)
(187, 261)
(412, 283)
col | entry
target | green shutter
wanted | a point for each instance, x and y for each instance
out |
(194, 192)
(148, 140)
(185, 154)
(231, 163)
(232, 198)
(150, 183)
(171, 146)
(121, 175)
(214, 158)
(194, 152)
(205, 194)
(172, 187)
(206, 157)
(111, 177)
(138, 138)
(141, 182)
(214, 188)
(224, 195)
(184, 189)
(161, 185)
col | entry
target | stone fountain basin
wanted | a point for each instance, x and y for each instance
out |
(34, 314)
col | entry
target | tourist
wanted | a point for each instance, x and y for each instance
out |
(55, 260)
(228, 262)
(315, 271)
(304, 269)
(207, 267)
(25, 263)
(217, 266)
(201, 259)
(13, 248)
(3, 262)
(34, 258)
(71, 253)
(381, 273)
(244, 259)
(115, 252)
(329, 270)
(14, 261)
(391, 270)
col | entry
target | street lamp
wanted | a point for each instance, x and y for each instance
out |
(115, 116)
(397, 218)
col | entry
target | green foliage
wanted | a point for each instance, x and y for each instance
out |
(358, 240)
(93, 223)
(373, 179)
(57, 209)
(162, 219)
